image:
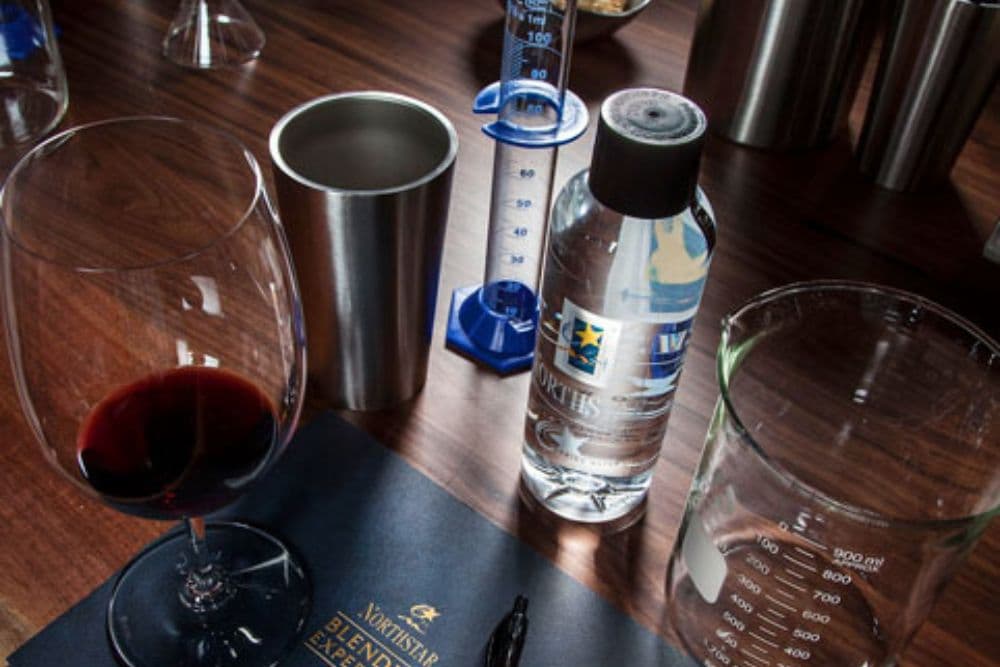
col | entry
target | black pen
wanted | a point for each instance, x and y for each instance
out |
(507, 640)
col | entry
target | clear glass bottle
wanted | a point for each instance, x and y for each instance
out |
(630, 242)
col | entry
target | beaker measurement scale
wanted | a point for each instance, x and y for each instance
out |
(494, 323)
(537, 41)
(781, 594)
(821, 523)
(529, 67)
(522, 182)
(534, 20)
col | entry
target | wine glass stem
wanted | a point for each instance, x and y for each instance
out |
(207, 586)
(196, 536)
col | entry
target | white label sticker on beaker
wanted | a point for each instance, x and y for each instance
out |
(706, 565)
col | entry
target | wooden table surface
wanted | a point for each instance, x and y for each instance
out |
(782, 217)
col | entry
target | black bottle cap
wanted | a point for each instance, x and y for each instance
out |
(646, 153)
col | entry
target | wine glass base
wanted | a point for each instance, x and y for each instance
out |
(233, 52)
(151, 625)
(209, 34)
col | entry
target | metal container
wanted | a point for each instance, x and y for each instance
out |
(778, 73)
(938, 65)
(363, 182)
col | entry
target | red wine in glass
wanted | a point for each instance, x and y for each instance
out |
(178, 443)
(157, 343)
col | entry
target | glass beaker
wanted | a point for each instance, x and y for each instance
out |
(852, 462)
(33, 92)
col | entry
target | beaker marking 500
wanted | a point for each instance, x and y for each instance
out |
(788, 616)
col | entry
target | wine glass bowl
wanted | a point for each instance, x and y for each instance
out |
(155, 333)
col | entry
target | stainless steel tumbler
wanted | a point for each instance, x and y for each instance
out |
(778, 73)
(938, 65)
(363, 182)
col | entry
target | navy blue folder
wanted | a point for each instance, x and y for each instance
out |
(378, 537)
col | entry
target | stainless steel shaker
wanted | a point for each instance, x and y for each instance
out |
(363, 182)
(778, 73)
(939, 62)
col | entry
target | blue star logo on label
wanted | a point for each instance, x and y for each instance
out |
(585, 346)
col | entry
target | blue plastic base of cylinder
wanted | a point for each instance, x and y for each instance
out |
(490, 338)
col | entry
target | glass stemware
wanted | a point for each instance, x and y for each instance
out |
(33, 91)
(155, 332)
(207, 34)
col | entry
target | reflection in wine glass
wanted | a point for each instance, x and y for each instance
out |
(155, 331)
(207, 34)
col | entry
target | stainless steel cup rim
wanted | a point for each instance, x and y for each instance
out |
(725, 365)
(378, 95)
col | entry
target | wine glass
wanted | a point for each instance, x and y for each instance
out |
(156, 336)
(208, 34)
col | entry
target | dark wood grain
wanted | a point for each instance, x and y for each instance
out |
(782, 217)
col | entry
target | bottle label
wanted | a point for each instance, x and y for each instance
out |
(666, 357)
(589, 351)
(587, 345)
(658, 272)
(678, 266)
